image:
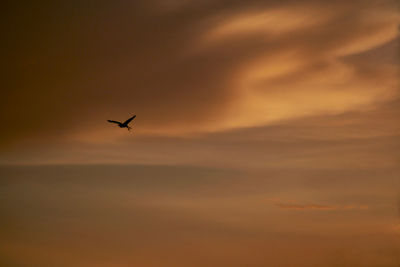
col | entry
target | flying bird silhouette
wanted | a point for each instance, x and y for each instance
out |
(124, 124)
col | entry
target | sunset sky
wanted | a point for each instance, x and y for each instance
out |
(267, 133)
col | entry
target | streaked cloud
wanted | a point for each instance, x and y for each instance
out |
(102, 215)
(294, 206)
(272, 21)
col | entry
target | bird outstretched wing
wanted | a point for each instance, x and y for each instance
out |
(129, 120)
(117, 122)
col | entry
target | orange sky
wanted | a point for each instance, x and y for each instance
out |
(261, 126)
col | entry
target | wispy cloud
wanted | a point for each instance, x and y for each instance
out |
(293, 206)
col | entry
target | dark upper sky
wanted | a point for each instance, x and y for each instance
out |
(190, 67)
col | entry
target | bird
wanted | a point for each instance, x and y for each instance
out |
(124, 124)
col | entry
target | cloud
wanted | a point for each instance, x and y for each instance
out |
(190, 68)
(319, 207)
(293, 205)
(274, 21)
(366, 139)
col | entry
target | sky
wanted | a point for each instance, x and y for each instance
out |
(266, 133)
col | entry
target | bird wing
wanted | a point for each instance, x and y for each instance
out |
(117, 122)
(129, 120)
